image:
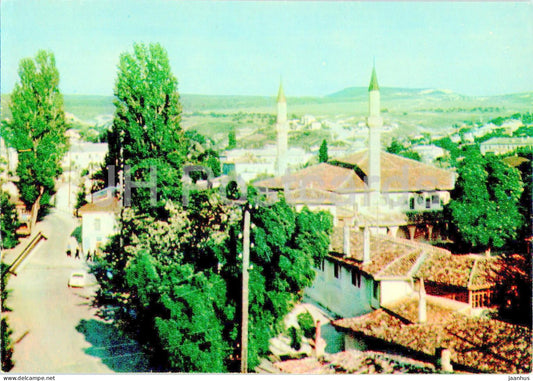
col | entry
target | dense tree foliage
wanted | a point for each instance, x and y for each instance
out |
(485, 203)
(232, 139)
(399, 149)
(7, 346)
(146, 134)
(177, 283)
(323, 152)
(146, 130)
(8, 222)
(37, 129)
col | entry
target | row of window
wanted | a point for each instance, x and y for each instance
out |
(482, 298)
(355, 275)
(434, 200)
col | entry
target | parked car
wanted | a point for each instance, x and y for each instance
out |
(77, 279)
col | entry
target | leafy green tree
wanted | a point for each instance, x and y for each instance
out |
(485, 203)
(8, 222)
(146, 130)
(81, 197)
(307, 324)
(232, 139)
(323, 152)
(201, 152)
(397, 148)
(176, 283)
(37, 129)
(7, 346)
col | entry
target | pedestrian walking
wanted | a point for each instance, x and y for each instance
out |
(77, 253)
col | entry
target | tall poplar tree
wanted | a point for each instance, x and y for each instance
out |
(37, 129)
(146, 130)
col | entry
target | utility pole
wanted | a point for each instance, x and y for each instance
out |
(245, 266)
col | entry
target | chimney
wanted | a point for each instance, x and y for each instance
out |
(346, 241)
(445, 361)
(320, 343)
(422, 307)
(366, 246)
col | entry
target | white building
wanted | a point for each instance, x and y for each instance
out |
(8, 159)
(369, 187)
(99, 220)
(503, 145)
(429, 153)
(84, 155)
(269, 160)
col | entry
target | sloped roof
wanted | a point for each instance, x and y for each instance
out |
(109, 205)
(472, 272)
(310, 196)
(398, 174)
(390, 258)
(322, 176)
(399, 258)
(476, 343)
(402, 174)
(355, 362)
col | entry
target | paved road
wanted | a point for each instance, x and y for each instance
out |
(63, 333)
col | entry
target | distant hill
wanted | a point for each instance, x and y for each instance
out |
(358, 92)
(94, 109)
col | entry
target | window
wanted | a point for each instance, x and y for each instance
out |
(356, 278)
(482, 298)
(376, 290)
(337, 270)
(435, 199)
(428, 203)
(412, 203)
(97, 224)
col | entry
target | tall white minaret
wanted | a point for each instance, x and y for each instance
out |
(375, 123)
(282, 131)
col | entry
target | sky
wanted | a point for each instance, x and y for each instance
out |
(244, 47)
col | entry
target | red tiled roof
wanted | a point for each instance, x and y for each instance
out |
(399, 258)
(469, 271)
(322, 176)
(401, 174)
(355, 362)
(110, 205)
(389, 257)
(483, 344)
(311, 196)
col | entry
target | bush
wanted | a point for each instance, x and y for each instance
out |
(307, 324)
(7, 346)
(296, 338)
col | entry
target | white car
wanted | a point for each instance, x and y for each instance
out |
(77, 279)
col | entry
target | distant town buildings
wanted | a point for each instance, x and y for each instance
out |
(83, 155)
(249, 164)
(429, 153)
(503, 145)
(368, 188)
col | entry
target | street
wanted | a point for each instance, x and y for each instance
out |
(58, 330)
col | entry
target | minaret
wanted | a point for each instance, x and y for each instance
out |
(375, 123)
(282, 131)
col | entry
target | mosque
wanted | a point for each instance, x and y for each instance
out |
(366, 189)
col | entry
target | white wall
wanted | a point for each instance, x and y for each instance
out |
(94, 231)
(392, 290)
(339, 295)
